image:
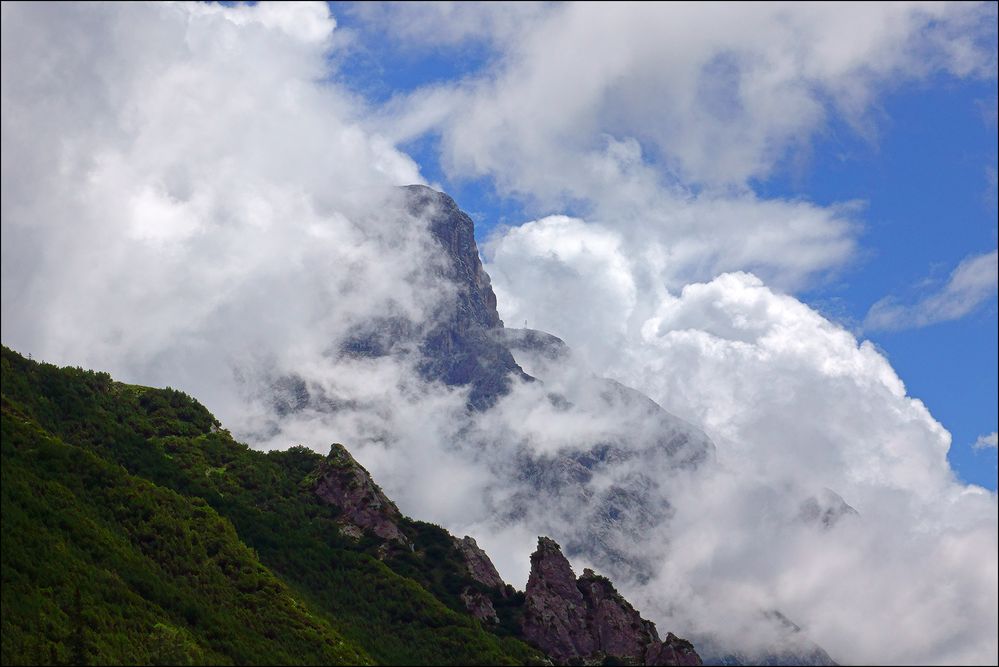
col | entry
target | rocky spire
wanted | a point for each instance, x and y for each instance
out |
(554, 609)
(482, 571)
(587, 620)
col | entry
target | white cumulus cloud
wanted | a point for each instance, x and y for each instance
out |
(795, 404)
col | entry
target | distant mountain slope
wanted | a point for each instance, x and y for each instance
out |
(127, 493)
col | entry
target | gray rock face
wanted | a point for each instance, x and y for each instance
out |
(586, 620)
(458, 345)
(344, 483)
(461, 347)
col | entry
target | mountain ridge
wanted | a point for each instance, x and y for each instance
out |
(601, 495)
(182, 446)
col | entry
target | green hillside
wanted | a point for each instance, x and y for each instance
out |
(187, 546)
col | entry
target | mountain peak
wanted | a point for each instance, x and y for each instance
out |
(462, 348)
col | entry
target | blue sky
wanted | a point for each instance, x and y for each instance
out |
(923, 164)
(930, 204)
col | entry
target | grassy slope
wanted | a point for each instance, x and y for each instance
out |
(167, 442)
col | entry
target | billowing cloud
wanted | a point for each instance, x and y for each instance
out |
(659, 119)
(719, 94)
(795, 404)
(972, 283)
(177, 178)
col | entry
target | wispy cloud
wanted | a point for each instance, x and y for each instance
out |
(990, 441)
(971, 284)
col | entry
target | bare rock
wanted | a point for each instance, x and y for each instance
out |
(343, 482)
(618, 629)
(554, 608)
(587, 621)
(480, 568)
(479, 605)
(672, 651)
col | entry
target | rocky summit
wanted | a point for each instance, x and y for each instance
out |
(586, 621)
(461, 348)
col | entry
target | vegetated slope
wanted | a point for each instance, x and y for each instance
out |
(126, 494)
(103, 566)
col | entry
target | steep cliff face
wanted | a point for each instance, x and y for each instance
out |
(460, 347)
(586, 620)
(458, 343)
(554, 609)
(455, 232)
(344, 483)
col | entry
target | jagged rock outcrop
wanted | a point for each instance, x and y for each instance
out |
(586, 620)
(672, 651)
(344, 483)
(482, 571)
(554, 609)
(480, 568)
